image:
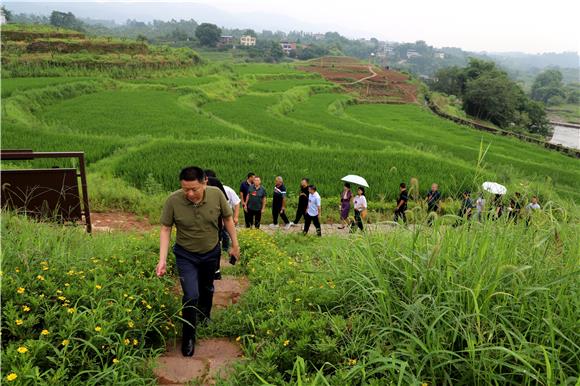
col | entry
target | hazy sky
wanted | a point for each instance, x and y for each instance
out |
(491, 25)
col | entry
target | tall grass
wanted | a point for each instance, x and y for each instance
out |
(489, 303)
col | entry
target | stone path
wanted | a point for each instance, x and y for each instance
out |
(213, 356)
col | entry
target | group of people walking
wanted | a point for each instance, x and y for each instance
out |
(252, 195)
(205, 213)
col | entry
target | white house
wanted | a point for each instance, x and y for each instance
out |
(248, 41)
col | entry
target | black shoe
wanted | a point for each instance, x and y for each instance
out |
(217, 275)
(188, 336)
(188, 346)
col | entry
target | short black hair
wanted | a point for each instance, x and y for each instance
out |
(250, 174)
(347, 184)
(403, 185)
(362, 189)
(192, 173)
(313, 187)
(210, 173)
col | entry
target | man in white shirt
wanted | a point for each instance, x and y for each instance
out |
(313, 211)
(234, 203)
(533, 205)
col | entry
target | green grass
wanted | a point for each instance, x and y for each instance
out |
(492, 303)
(279, 85)
(10, 85)
(262, 68)
(97, 298)
(134, 113)
(567, 113)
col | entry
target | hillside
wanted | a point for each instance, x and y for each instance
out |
(447, 302)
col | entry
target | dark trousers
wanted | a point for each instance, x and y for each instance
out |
(253, 217)
(357, 221)
(276, 208)
(400, 213)
(196, 274)
(300, 212)
(308, 219)
(225, 241)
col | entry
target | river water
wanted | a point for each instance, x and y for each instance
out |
(566, 136)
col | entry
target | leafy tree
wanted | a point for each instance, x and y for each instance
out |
(208, 34)
(7, 14)
(491, 98)
(65, 20)
(250, 32)
(276, 51)
(538, 119)
(548, 87)
(449, 80)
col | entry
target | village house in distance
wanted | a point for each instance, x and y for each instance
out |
(248, 41)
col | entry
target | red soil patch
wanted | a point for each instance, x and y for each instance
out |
(119, 221)
(386, 86)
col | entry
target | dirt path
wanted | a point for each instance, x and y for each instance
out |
(333, 229)
(213, 357)
(366, 78)
(119, 221)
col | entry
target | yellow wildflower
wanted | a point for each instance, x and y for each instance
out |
(40, 277)
(135, 342)
(17, 270)
(286, 342)
(98, 328)
(10, 377)
(44, 332)
(130, 324)
(115, 360)
(126, 341)
(352, 362)
(98, 286)
(71, 310)
(148, 307)
(25, 308)
(238, 338)
(18, 322)
(20, 290)
(65, 342)
(22, 350)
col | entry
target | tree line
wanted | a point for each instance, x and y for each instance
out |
(488, 93)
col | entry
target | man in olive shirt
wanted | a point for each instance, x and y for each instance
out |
(195, 210)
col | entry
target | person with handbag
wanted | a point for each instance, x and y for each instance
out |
(360, 209)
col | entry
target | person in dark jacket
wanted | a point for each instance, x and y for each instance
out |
(302, 201)
(402, 203)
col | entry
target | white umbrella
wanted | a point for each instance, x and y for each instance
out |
(358, 180)
(494, 188)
